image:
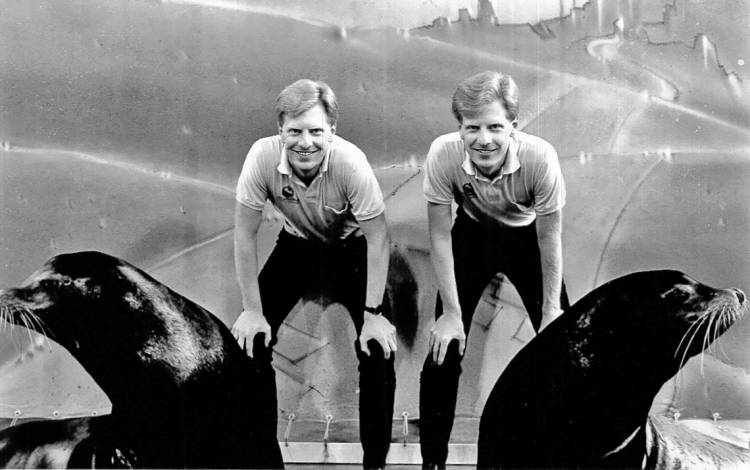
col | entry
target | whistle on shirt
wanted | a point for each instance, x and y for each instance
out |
(288, 193)
(469, 191)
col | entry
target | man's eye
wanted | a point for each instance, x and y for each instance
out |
(316, 132)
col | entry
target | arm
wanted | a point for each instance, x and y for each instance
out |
(549, 237)
(450, 325)
(251, 321)
(376, 327)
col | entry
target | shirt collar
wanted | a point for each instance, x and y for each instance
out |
(510, 165)
(286, 169)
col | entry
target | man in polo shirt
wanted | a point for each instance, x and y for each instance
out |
(334, 243)
(510, 193)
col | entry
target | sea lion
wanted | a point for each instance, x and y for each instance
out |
(579, 393)
(182, 390)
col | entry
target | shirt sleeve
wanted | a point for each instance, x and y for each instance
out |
(252, 190)
(436, 185)
(549, 185)
(363, 190)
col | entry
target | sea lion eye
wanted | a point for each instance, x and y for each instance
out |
(677, 294)
(67, 281)
(48, 284)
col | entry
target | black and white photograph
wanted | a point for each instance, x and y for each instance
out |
(379, 234)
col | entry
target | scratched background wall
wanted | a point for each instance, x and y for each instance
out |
(124, 126)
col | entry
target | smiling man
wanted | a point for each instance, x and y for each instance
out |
(510, 194)
(334, 244)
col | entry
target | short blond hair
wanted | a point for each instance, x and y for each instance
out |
(303, 95)
(482, 89)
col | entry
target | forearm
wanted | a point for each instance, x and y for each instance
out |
(551, 258)
(246, 266)
(378, 255)
(442, 261)
(550, 250)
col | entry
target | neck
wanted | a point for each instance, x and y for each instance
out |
(489, 173)
(306, 176)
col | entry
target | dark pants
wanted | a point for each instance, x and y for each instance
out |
(479, 253)
(338, 272)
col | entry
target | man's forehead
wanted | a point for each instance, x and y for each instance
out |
(314, 117)
(494, 112)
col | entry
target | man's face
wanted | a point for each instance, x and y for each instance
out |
(306, 138)
(486, 137)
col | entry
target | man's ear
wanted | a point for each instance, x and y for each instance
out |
(514, 123)
(333, 129)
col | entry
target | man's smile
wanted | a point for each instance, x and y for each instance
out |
(305, 153)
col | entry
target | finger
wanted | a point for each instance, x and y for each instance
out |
(386, 348)
(435, 350)
(249, 347)
(431, 341)
(443, 349)
(393, 344)
(363, 347)
(461, 346)
(267, 335)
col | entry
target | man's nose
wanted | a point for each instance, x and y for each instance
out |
(306, 139)
(483, 138)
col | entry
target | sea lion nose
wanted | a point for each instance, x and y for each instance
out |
(740, 295)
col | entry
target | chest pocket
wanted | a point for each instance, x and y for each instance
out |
(335, 202)
(520, 196)
(337, 209)
(524, 205)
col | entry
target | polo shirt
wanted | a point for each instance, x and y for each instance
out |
(530, 182)
(344, 191)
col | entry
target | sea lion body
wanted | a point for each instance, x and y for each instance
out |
(182, 390)
(578, 395)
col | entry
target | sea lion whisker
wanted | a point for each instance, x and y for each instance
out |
(39, 324)
(726, 322)
(704, 345)
(697, 325)
(41, 329)
(3, 315)
(715, 324)
(32, 323)
(14, 309)
(28, 325)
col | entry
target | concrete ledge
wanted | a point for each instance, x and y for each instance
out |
(351, 453)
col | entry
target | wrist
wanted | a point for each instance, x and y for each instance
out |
(377, 310)
(551, 310)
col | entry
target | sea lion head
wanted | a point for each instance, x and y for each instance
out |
(661, 317)
(112, 317)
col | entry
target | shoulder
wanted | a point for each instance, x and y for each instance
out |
(346, 158)
(532, 148)
(446, 151)
(346, 151)
(267, 147)
(448, 144)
